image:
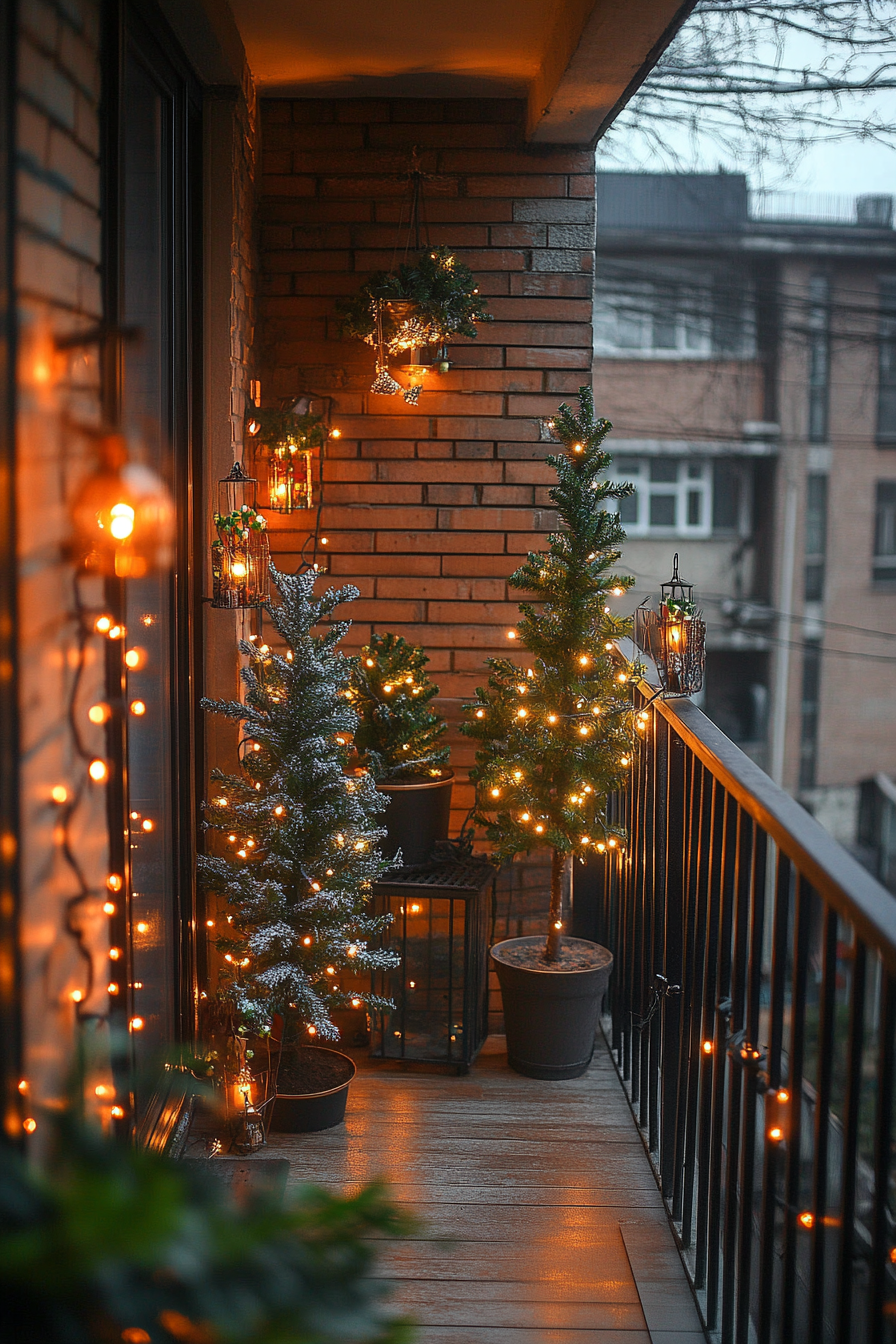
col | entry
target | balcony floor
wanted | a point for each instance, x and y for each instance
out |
(540, 1220)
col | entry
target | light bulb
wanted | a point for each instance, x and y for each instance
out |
(136, 1024)
(138, 708)
(351, 950)
(583, 660)
(335, 433)
(102, 624)
(707, 1047)
(312, 1031)
(97, 770)
(511, 634)
(356, 1003)
(539, 829)
(552, 718)
(142, 926)
(98, 713)
(29, 1125)
(112, 988)
(618, 592)
(238, 569)
(776, 1134)
(306, 941)
(108, 907)
(114, 953)
(496, 793)
(525, 817)
(133, 658)
(59, 793)
(480, 713)
(583, 731)
(76, 995)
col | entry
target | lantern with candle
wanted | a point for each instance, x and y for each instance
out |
(674, 637)
(286, 446)
(123, 516)
(240, 552)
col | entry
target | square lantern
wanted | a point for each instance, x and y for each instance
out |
(290, 478)
(674, 637)
(240, 552)
(441, 923)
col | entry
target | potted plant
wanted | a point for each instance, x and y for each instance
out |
(300, 846)
(554, 742)
(420, 307)
(398, 741)
(104, 1241)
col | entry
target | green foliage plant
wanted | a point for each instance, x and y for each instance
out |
(299, 836)
(106, 1242)
(443, 291)
(398, 735)
(276, 428)
(555, 737)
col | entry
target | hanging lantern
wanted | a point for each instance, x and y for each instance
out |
(284, 445)
(290, 478)
(123, 516)
(240, 553)
(674, 637)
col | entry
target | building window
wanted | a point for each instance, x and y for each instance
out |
(819, 357)
(809, 708)
(816, 535)
(671, 313)
(684, 497)
(884, 562)
(886, 385)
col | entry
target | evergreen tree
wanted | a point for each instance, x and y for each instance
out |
(301, 834)
(555, 736)
(398, 734)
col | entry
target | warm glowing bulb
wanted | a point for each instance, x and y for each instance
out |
(97, 770)
(138, 708)
(583, 731)
(112, 988)
(109, 908)
(558, 924)
(783, 1094)
(117, 632)
(583, 660)
(114, 882)
(351, 950)
(59, 793)
(148, 825)
(23, 1085)
(335, 433)
(312, 1031)
(496, 793)
(133, 658)
(776, 1134)
(102, 624)
(539, 829)
(522, 713)
(122, 524)
(577, 448)
(29, 1125)
(618, 592)
(98, 713)
(707, 1047)
(238, 569)
(117, 1112)
(325, 541)
(331, 970)
(209, 923)
(480, 713)
(142, 927)
(136, 1024)
(552, 718)
(586, 840)
(76, 995)
(511, 634)
(114, 953)
(806, 1220)
(600, 847)
(306, 942)
(101, 1090)
(356, 1003)
(525, 817)
(612, 842)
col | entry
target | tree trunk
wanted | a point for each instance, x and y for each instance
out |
(555, 919)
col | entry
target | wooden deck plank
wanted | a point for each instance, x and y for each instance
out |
(522, 1191)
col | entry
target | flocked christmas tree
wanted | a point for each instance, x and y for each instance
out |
(398, 735)
(555, 735)
(300, 835)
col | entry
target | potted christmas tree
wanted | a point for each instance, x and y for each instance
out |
(554, 743)
(301, 852)
(398, 740)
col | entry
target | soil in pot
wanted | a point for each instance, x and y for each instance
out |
(312, 1089)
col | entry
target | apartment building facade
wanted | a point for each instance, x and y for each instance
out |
(745, 350)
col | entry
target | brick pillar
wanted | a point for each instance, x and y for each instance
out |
(428, 508)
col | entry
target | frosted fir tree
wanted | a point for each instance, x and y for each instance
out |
(555, 736)
(300, 835)
(398, 735)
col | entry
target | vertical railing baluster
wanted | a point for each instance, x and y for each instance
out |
(776, 1076)
(742, 1068)
(721, 1078)
(826, 1031)
(669, 1022)
(694, 973)
(710, 1061)
(851, 1121)
(793, 1172)
(759, 874)
(686, 1054)
(881, 1244)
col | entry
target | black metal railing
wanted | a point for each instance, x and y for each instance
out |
(752, 1017)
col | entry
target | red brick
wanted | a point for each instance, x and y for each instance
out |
(305, 212)
(478, 428)
(552, 185)
(529, 473)
(435, 635)
(444, 403)
(350, 492)
(564, 382)
(316, 110)
(526, 309)
(441, 589)
(285, 184)
(451, 494)
(426, 136)
(348, 471)
(524, 451)
(549, 357)
(488, 380)
(467, 565)
(386, 448)
(496, 520)
(298, 260)
(552, 285)
(385, 564)
(343, 542)
(520, 543)
(471, 450)
(583, 184)
(274, 111)
(538, 333)
(314, 137)
(455, 472)
(519, 235)
(434, 448)
(387, 612)
(475, 543)
(363, 109)
(383, 517)
(523, 405)
(476, 356)
(557, 211)
(373, 426)
(452, 235)
(276, 162)
(501, 494)
(450, 211)
(366, 187)
(534, 161)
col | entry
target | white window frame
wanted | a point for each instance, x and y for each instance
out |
(693, 477)
(686, 308)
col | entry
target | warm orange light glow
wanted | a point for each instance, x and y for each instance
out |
(76, 995)
(307, 942)
(29, 1125)
(98, 770)
(134, 658)
(109, 908)
(101, 1090)
(142, 926)
(114, 882)
(496, 793)
(102, 624)
(806, 1220)
(138, 708)
(776, 1134)
(356, 1003)
(23, 1085)
(783, 1094)
(209, 923)
(707, 1047)
(99, 713)
(117, 1112)
(114, 953)
(312, 1031)
(352, 950)
(136, 1024)
(59, 793)
(511, 634)
(112, 988)
(539, 829)
(335, 433)
(480, 713)
(149, 825)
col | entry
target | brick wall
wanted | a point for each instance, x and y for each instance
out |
(58, 282)
(428, 509)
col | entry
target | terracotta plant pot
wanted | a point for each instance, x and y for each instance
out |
(307, 1112)
(550, 1015)
(417, 816)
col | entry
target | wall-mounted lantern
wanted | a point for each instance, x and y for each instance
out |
(123, 516)
(674, 637)
(240, 552)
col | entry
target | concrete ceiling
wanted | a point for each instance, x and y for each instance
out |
(575, 60)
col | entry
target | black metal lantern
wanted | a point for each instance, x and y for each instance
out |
(674, 637)
(240, 553)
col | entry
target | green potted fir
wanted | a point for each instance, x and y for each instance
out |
(398, 740)
(554, 742)
(300, 845)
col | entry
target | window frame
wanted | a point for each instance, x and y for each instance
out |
(886, 363)
(651, 292)
(886, 581)
(684, 485)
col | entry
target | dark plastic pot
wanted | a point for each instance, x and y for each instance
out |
(550, 1016)
(417, 816)
(306, 1112)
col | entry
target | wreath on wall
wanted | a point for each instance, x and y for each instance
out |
(419, 307)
